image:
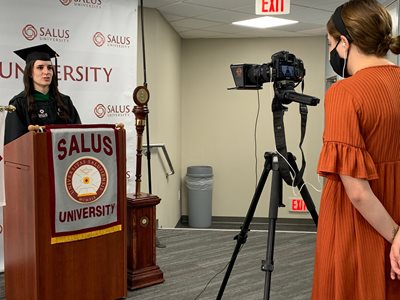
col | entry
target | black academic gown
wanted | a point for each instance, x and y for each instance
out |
(17, 122)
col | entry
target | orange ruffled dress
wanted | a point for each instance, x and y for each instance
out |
(361, 139)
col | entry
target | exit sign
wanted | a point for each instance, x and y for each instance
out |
(298, 205)
(272, 7)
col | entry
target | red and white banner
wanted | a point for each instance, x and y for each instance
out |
(2, 196)
(96, 41)
(84, 182)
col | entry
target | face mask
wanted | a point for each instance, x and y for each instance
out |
(338, 64)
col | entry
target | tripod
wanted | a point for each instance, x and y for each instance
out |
(271, 163)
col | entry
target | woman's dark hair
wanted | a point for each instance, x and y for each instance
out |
(369, 25)
(53, 90)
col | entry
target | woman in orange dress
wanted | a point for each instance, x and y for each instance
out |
(358, 244)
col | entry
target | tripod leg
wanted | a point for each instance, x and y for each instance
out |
(242, 236)
(275, 202)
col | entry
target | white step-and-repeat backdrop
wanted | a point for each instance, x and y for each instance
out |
(96, 42)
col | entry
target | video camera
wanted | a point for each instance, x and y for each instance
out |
(285, 70)
(283, 66)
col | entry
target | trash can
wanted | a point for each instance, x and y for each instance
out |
(199, 182)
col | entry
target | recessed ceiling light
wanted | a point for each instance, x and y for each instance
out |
(265, 22)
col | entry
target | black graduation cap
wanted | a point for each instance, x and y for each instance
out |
(39, 52)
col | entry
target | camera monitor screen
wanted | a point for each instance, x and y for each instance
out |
(287, 71)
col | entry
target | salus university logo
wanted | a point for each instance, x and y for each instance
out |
(82, 3)
(45, 33)
(112, 110)
(65, 2)
(112, 40)
(86, 180)
(100, 111)
(29, 32)
(99, 39)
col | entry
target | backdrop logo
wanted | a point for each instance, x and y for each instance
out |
(46, 33)
(83, 3)
(99, 39)
(86, 180)
(66, 2)
(100, 111)
(116, 110)
(29, 32)
(111, 40)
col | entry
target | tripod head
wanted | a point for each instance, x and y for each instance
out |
(285, 93)
(286, 71)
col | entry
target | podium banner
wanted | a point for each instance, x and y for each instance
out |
(84, 181)
(2, 191)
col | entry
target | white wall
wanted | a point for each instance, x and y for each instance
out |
(218, 124)
(202, 123)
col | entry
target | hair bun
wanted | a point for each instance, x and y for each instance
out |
(384, 45)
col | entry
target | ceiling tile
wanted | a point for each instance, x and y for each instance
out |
(222, 4)
(173, 18)
(194, 23)
(158, 3)
(226, 16)
(213, 18)
(185, 10)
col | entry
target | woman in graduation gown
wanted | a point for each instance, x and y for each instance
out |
(40, 103)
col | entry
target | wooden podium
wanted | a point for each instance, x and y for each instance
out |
(93, 268)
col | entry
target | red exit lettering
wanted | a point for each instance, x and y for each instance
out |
(298, 205)
(272, 5)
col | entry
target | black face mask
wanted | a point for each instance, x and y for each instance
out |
(338, 63)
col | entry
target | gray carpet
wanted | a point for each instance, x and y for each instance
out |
(192, 257)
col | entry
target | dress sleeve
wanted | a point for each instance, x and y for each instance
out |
(343, 150)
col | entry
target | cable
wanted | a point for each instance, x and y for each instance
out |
(294, 172)
(255, 135)
(219, 272)
(208, 283)
(256, 173)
